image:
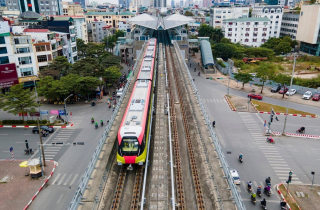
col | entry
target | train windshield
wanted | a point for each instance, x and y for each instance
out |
(129, 147)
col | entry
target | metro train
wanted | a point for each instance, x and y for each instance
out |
(134, 129)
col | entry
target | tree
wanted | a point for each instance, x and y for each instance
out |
(112, 74)
(193, 37)
(217, 35)
(188, 13)
(264, 73)
(225, 41)
(283, 47)
(19, 100)
(107, 60)
(119, 33)
(93, 50)
(243, 77)
(59, 67)
(81, 47)
(223, 51)
(109, 42)
(294, 43)
(259, 52)
(205, 30)
(45, 88)
(88, 67)
(283, 80)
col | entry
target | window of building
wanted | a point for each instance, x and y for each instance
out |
(74, 49)
(264, 29)
(47, 2)
(25, 60)
(73, 39)
(246, 40)
(4, 60)
(26, 71)
(248, 23)
(277, 16)
(3, 50)
(263, 40)
(41, 2)
(48, 8)
(247, 29)
(229, 35)
(254, 40)
(229, 29)
(272, 10)
(42, 58)
(247, 34)
(264, 34)
(75, 58)
(41, 48)
(255, 29)
(53, 47)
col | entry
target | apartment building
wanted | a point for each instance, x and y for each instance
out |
(110, 18)
(218, 14)
(247, 31)
(308, 29)
(274, 13)
(70, 9)
(45, 7)
(289, 24)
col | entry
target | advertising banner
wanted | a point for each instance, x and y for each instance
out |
(8, 75)
(56, 112)
(61, 112)
(35, 114)
(24, 114)
(44, 112)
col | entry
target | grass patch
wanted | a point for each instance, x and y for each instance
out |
(289, 199)
(265, 107)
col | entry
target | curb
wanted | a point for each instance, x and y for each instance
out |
(45, 182)
(254, 107)
(27, 126)
(297, 135)
(282, 197)
(295, 115)
(230, 103)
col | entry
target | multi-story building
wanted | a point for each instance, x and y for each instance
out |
(45, 7)
(218, 14)
(289, 24)
(82, 3)
(110, 18)
(309, 29)
(81, 27)
(70, 9)
(274, 13)
(159, 3)
(247, 31)
(97, 29)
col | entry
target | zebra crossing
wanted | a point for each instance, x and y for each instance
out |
(66, 179)
(275, 159)
(216, 100)
(51, 151)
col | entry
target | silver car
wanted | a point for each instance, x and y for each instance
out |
(307, 95)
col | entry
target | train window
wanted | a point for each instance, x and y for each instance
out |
(129, 146)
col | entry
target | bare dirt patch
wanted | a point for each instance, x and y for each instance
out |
(241, 104)
(20, 189)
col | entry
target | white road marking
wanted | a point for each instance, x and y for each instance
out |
(67, 179)
(49, 158)
(276, 161)
(49, 155)
(19, 142)
(295, 178)
(60, 198)
(54, 150)
(274, 164)
(62, 178)
(56, 178)
(5, 151)
(74, 179)
(46, 152)
(29, 134)
(281, 168)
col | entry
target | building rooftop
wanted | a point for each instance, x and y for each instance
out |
(206, 52)
(101, 13)
(246, 19)
(36, 30)
(29, 14)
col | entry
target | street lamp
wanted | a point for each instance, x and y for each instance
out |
(285, 120)
(65, 107)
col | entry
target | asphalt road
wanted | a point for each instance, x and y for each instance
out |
(241, 132)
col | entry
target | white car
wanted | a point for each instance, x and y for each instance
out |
(119, 92)
(291, 92)
(307, 95)
(235, 176)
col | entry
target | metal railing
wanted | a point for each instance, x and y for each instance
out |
(236, 196)
(76, 200)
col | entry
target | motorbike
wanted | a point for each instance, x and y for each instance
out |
(253, 200)
(268, 192)
(249, 188)
(93, 104)
(259, 193)
(270, 140)
(101, 124)
(195, 69)
(283, 205)
(240, 159)
(92, 121)
(199, 74)
(109, 106)
(268, 181)
(96, 125)
(263, 207)
(301, 130)
(28, 151)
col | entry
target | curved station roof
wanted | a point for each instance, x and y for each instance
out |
(159, 23)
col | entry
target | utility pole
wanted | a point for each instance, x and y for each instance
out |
(65, 107)
(40, 159)
(312, 172)
(40, 135)
(285, 120)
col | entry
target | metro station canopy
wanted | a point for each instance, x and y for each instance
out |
(159, 23)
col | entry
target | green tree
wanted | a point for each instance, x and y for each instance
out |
(188, 13)
(93, 50)
(293, 44)
(109, 42)
(112, 74)
(223, 51)
(225, 41)
(283, 47)
(259, 52)
(81, 47)
(217, 35)
(19, 100)
(265, 72)
(119, 33)
(45, 88)
(283, 80)
(243, 77)
(59, 67)
(88, 67)
(205, 30)
(287, 39)
(107, 60)
(193, 37)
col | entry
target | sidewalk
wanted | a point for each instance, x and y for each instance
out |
(17, 193)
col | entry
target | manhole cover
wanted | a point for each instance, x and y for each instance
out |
(228, 152)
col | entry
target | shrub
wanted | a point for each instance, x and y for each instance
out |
(220, 62)
(44, 121)
(12, 122)
(31, 122)
(239, 64)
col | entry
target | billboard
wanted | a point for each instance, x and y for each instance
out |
(8, 75)
(4, 28)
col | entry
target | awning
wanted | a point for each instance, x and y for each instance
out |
(28, 79)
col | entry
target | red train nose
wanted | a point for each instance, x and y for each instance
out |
(130, 159)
